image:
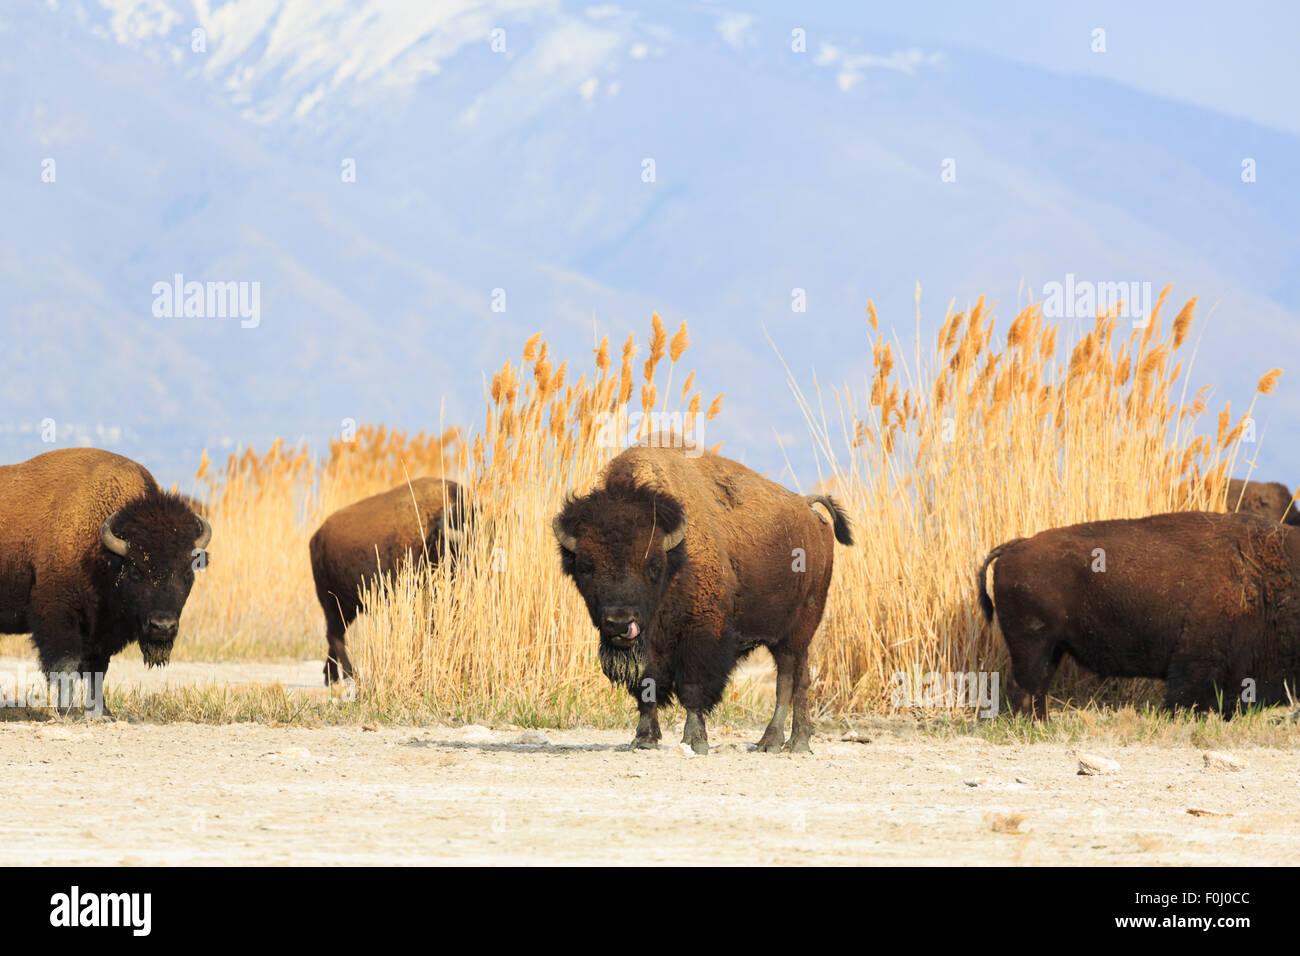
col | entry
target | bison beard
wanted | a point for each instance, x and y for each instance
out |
(624, 666)
(156, 653)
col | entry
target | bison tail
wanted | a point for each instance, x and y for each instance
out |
(986, 602)
(843, 531)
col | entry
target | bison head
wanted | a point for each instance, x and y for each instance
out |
(622, 545)
(149, 547)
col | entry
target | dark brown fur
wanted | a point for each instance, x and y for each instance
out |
(357, 544)
(1203, 601)
(753, 570)
(81, 602)
(1268, 499)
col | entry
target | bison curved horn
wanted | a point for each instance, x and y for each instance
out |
(567, 541)
(112, 541)
(675, 538)
(205, 533)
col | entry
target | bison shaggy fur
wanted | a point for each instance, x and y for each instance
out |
(93, 557)
(687, 564)
(1209, 603)
(355, 546)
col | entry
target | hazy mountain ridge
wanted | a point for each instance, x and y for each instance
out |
(522, 170)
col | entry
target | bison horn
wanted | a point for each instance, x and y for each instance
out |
(677, 537)
(205, 533)
(567, 541)
(112, 541)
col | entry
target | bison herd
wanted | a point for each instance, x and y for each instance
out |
(686, 563)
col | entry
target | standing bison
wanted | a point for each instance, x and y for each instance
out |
(93, 557)
(687, 564)
(355, 545)
(1268, 499)
(1208, 602)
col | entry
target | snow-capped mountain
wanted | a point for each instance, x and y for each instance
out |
(377, 170)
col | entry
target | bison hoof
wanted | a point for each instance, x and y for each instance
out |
(798, 747)
(645, 743)
(699, 746)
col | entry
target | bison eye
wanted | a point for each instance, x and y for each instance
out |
(655, 570)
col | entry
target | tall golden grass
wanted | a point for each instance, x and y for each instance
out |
(507, 632)
(256, 597)
(975, 440)
(982, 439)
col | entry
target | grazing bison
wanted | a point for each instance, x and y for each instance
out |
(1207, 602)
(93, 557)
(1268, 499)
(686, 565)
(357, 544)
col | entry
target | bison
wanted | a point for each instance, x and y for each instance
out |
(355, 545)
(1209, 603)
(94, 556)
(686, 565)
(1268, 499)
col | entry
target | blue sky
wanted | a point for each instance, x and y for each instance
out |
(1238, 58)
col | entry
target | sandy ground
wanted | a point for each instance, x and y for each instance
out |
(110, 792)
(119, 793)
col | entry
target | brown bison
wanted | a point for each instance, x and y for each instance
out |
(94, 556)
(1208, 602)
(355, 545)
(687, 564)
(1268, 499)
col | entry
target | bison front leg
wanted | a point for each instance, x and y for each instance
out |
(695, 701)
(646, 694)
(647, 727)
(695, 735)
(94, 669)
(59, 640)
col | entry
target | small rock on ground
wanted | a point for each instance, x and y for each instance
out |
(1217, 762)
(1093, 765)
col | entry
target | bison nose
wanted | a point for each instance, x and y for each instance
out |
(162, 626)
(621, 625)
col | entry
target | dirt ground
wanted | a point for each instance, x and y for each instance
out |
(120, 793)
(111, 792)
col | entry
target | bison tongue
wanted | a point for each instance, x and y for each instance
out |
(632, 630)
